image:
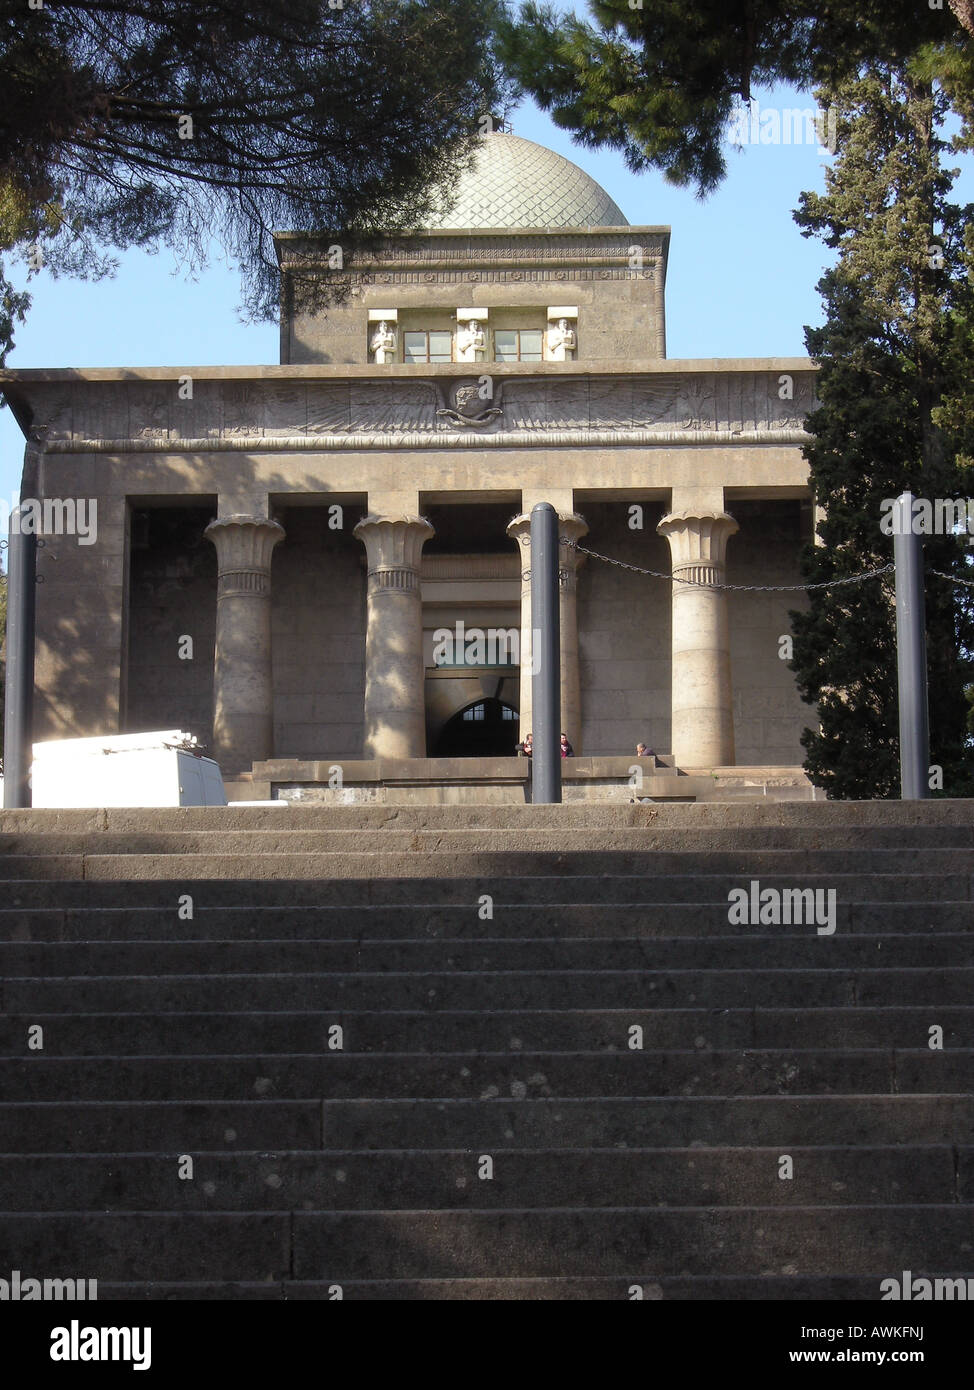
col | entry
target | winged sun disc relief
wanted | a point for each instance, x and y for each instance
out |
(471, 403)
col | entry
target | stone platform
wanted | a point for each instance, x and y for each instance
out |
(507, 782)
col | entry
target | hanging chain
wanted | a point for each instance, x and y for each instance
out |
(749, 588)
(967, 583)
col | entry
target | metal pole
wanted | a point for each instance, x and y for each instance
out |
(911, 655)
(545, 655)
(19, 684)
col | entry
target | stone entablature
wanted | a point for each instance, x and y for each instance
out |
(300, 408)
(510, 249)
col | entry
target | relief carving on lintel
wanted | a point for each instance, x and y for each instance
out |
(471, 403)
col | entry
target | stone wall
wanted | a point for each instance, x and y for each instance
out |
(624, 633)
(172, 596)
(318, 636)
(768, 712)
(81, 621)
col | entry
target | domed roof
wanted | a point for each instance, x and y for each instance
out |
(516, 183)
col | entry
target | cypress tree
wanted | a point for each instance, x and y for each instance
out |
(894, 357)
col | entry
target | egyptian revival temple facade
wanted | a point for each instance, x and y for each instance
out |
(320, 568)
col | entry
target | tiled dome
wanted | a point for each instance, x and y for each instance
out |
(516, 183)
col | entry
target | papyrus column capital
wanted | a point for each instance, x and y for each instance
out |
(244, 546)
(393, 547)
(698, 543)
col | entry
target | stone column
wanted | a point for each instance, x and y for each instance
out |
(519, 530)
(395, 712)
(570, 527)
(243, 699)
(702, 707)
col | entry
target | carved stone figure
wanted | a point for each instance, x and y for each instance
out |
(383, 344)
(471, 342)
(561, 341)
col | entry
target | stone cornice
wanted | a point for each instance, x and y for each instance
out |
(464, 251)
(345, 371)
(552, 242)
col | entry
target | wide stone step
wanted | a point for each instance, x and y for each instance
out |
(662, 852)
(828, 1176)
(88, 1127)
(507, 1244)
(929, 895)
(68, 1126)
(504, 1076)
(906, 818)
(673, 879)
(740, 952)
(838, 1288)
(649, 1122)
(410, 921)
(552, 989)
(380, 1031)
(805, 1240)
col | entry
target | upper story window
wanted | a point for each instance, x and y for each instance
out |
(469, 338)
(517, 344)
(427, 345)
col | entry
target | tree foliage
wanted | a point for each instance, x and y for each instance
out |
(140, 122)
(894, 356)
(659, 80)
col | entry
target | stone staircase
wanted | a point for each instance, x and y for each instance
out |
(483, 1125)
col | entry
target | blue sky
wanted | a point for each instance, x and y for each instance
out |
(741, 278)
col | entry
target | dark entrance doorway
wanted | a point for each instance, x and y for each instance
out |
(485, 729)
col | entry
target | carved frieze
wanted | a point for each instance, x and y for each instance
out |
(56, 412)
(327, 409)
(285, 407)
(492, 276)
(243, 409)
(481, 401)
(390, 407)
(696, 403)
(148, 409)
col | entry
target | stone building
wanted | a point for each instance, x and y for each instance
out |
(318, 567)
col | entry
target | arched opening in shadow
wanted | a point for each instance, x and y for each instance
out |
(485, 729)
